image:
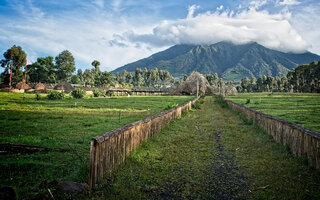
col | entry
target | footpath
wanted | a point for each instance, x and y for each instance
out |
(211, 153)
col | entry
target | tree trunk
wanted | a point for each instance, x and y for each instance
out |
(10, 78)
(25, 75)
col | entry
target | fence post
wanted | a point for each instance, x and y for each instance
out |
(92, 163)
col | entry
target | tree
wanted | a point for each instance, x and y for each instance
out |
(107, 79)
(245, 84)
(80, 75)
(75, 79)
(253, 85)
(146, 78)
(15, 58)
(88, 77)
(154, 77)
(137, 79)
(65, 65)
(259, 86)
(165, 77)
(42, 71)
(97, 73)
(96, 65)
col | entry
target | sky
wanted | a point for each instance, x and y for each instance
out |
(117, 32)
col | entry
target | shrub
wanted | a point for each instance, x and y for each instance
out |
(53, 95)
(171, 105)
(248, 101)
(78, 93)
(98, 93)
(110, 93)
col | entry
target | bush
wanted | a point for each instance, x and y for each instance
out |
(78, 93)
(98, 93)
(110, 93)
(248, 101)
(53, 95)
(171, 105)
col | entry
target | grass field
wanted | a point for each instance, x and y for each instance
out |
(302, 109)
(211, 153)
(66, 127)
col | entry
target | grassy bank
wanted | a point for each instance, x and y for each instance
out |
(211, 153)
(66, 127)
(300, 108)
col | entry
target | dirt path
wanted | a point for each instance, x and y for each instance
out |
(211, 153)
(224, 178)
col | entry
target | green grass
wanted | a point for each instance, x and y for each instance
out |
(66, 126)
(182, 162)
(300, 108)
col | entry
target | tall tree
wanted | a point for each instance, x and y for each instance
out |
(42, 71)
(96, 65)
(88, 77)
(15, 58)
(80, 75)
(107, 79)
(75, 79)
(65, 65)
(138, 77)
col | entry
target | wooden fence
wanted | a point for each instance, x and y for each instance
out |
(110, 149)
(300, 140)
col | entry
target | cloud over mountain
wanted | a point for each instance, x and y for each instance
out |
(250, 25)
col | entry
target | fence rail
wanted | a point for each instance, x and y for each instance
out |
(300, 140)
(110, 149)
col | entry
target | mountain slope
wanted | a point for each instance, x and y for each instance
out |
(232, 62)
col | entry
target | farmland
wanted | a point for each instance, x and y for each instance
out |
(211, 153)
(299, 108)
(65, 127)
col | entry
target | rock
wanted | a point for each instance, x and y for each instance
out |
(70, 186)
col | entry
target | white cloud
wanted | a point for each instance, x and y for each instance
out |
(220, 7)
(289, 2)
(191, 10)
(270, 30)
(257, 3)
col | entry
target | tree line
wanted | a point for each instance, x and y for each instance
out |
(62, 68)
(304, 78)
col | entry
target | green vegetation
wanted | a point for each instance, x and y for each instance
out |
(53, 95)
(62, 68)
(300, 108)
(171, 105)
(211, 153)
(66, 127)
(98, 93)
(78, 93)
(14, 59)
(305, 78)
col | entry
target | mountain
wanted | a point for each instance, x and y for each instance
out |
(230, 61)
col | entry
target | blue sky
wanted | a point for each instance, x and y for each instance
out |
(117, 32)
